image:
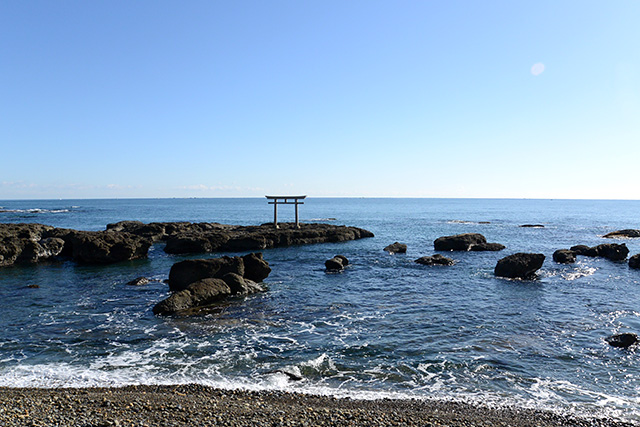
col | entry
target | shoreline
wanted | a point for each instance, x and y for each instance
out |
(190, 405)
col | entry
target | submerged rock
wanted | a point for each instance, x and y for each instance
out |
(396, 248)
(465, 242)
(338, 262)
(622, 340)
(532, 226)
(436, 259)
(628, 233)
(564, 256)
(519, 265)
(139, 281)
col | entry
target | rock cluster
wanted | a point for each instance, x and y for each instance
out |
(199, 283)
(128, 240)
(611, 251)
(185, 237)
(466, 242)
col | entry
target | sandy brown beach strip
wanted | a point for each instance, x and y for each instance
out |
(196, 405)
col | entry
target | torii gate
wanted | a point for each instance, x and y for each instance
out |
(284, 200)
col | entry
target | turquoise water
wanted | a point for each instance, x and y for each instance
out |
(385, 327)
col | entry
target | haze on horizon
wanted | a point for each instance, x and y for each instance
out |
(498, 99)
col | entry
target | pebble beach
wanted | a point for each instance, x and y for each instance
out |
(197, 405)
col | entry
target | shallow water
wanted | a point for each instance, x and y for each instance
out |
(384, 327)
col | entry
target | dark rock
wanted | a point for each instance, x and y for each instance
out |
(436, 259)
(532, 226)
(198, 294)
(336, 263)
(465, 242)
(396, 248)
(140, 281)
(237, 238)
(236, 283)
(622, 340)
(634, 261)
(564, 256)
(41, 250)
(104, 247)
(290, 375)
(487, 247)
(519, 265)
(611, 251)
(26, 243)
(344, 259)
(583, 250)
(197, 283)
(183, 273)
(459, 242)
(256, 268)
(629, 233)
(189, 244)
(33, 286)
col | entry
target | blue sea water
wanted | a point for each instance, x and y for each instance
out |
(385, 327)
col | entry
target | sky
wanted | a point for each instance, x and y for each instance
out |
(116, 99)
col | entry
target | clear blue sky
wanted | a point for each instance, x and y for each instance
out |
(536, 99)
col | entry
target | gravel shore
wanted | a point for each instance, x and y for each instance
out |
(196, 405)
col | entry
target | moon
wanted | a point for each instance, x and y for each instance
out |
(537, 69)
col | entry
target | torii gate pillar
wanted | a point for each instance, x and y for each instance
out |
(285, 200)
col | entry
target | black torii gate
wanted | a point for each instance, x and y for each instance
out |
(284, 200)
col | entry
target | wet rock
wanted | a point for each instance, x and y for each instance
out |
(27, 243)
(219, 237)
(564, 256)
(198, 283)
(44, 249)
(338, 262)
(494, 247)
(611, 251)
(104, 247)
(628, 233)
(198, 294)
(396, 248)
(465, 242)
(532, 226)
(436, 259)
(622, 340)
(140, 281)
(256, 268)
(520, 265)
(634, 261)
(183, 273)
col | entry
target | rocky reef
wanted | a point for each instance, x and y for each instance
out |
(128, 240)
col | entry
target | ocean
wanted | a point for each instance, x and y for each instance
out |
(384, 327)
